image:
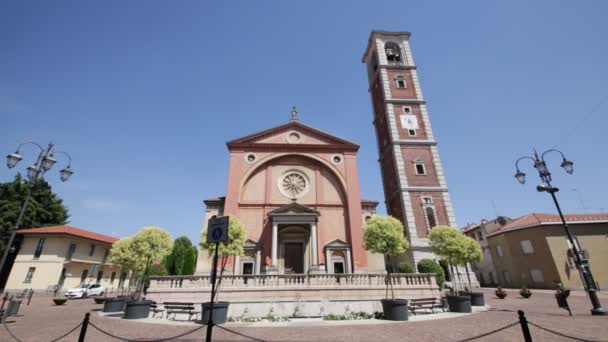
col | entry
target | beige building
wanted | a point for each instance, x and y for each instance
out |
(533, 250)
(484, 269)
(64, 256)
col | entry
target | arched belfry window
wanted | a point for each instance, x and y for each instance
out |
(393, 53)
(430, 217)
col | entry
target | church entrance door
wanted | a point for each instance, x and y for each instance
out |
(294, 257)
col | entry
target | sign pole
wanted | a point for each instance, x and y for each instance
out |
(213, 281)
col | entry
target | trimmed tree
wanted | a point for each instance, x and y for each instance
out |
(448, 243)
(471, 253)
(384, 235)
(233, 246)
(432, 266)
(406, 267)
(190, 262)
(137, 253)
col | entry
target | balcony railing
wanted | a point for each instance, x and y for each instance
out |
(399, 280)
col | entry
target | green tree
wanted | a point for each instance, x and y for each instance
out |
(406, 267)
(190, 262)
(138, 252)
(44, 209)
(384, 235)
(432, 266)
(450, 244)
(471, 253)
(231, 247)
(179, 262)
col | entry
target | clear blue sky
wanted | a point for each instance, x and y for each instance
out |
(144, 94)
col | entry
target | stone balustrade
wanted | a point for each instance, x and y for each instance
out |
(269, 281)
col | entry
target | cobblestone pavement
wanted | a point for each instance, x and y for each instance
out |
(43, 321)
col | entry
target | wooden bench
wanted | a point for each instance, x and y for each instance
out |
(156, 310)
(426, 303)
(179, 307)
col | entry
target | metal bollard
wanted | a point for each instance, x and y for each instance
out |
(83, 328)
(524, 326)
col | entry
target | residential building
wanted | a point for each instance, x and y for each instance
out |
(484, 269)
(66, 257)
(534, 251)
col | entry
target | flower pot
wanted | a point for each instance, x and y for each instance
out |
(114, 304)
(459, 303)
(60, 301)
(137, 309)
(526, 294)
(220, 312)
(477, 298)
(395, 309)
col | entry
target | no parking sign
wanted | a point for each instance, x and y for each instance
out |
(217, 229)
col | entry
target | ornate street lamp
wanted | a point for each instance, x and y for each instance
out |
(582, 264)
(44, 163)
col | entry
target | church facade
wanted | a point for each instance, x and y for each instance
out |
(296, 191)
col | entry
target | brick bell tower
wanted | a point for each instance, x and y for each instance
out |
(415, 189)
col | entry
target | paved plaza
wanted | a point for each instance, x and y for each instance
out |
(43, 321)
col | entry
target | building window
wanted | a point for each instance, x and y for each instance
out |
(411, 132)
(420, 169)
(92, 250)
(537, 276)
(393, 53)
(39, 248)
(99, 276)
(407, 110)
(112, 277)
(29, 275)
(427, 200)
(105, 256)
(83, 277)
(499, 251)
(121, 281)
(71, 251)
(430, 217)
(507, 276)
(400, 82)
(526, 247)
(294, 184)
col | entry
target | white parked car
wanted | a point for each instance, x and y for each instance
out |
(85, 290)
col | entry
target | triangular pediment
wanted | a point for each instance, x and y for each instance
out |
(337, 244)
(250, 244)
(293, 209)
(293, 134)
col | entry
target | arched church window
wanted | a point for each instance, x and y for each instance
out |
(430, 217)
(393, 53)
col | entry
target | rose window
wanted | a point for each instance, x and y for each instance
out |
(293, 184)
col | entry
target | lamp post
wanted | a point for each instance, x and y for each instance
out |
(44, 163)
(582, 264)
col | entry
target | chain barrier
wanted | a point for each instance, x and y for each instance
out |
(53, 340)
(489, 332)
(66, 334)
(240, 334)
(562, 334)
(139, 340)
(11, 333)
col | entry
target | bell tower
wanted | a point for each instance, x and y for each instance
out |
(415, 189)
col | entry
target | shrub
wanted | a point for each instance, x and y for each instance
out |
(406, 267)
(431, 266)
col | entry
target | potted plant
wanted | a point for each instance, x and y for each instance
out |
(500, 293)
(472, 253)
(525, 292)
(450, 244)
(60, 300)
(99, 299)
(384, 235)
(136, 254)
(231, 247)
